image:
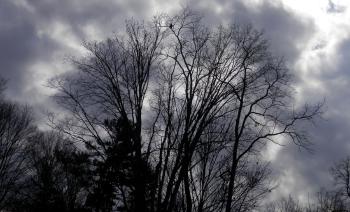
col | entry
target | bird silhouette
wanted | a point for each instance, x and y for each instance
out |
(171, 25)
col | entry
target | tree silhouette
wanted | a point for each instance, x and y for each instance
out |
(174, 118)
(58, 176)
(15, 126)
(341, 175)
(116, 173)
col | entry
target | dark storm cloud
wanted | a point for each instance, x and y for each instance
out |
(28, 40)
(331, 136)
(284, 30)
(20, 45)
(107, 16)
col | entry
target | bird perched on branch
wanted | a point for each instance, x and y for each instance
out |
(171, 26)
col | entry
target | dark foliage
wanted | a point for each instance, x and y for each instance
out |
(58, 176)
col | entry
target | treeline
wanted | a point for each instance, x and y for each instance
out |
(335, 199)
(170, 116)
(39, 171)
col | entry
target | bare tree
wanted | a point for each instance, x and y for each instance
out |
(227, 75)
(111, 88)
(341, 175)
(324, 201)
(58, 176)
(330, 201)
(188, 108)
(2, 85)
(285, 205)
(15, 127)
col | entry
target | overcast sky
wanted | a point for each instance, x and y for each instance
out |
(37, 36)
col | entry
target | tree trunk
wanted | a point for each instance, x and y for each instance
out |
(231, 185)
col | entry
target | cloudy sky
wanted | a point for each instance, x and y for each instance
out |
(37, 37)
